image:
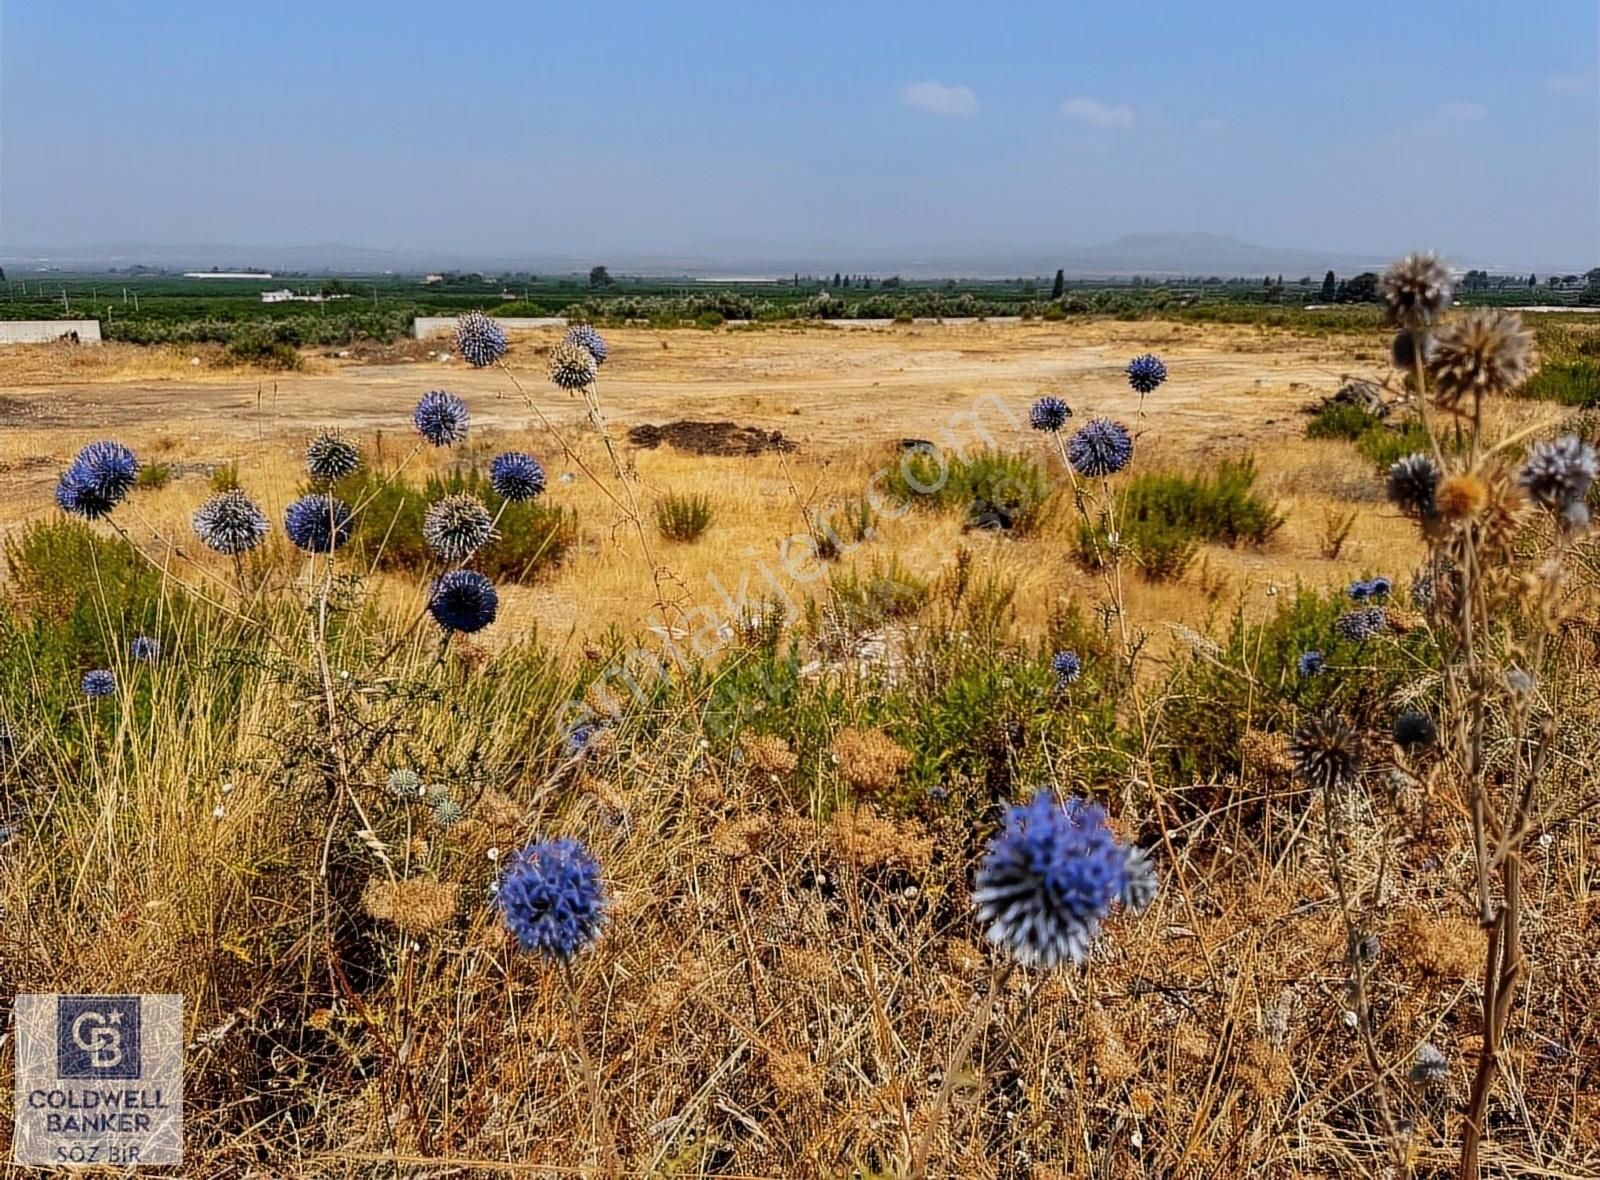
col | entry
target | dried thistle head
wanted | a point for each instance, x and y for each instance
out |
(417, 906)
(1461, 497)
(1484, 353)
(869, 759)
(1415, 290)
(1327, 753)
(769, 753)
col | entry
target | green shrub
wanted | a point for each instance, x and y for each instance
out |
(859, 602)
(1221, 506)
(1382, 445)
(1571, 383)
(225, 477)
(1341, 420)
(683, 518)
(154, 476)
(999, 484)
(533, 535)
(266, 347)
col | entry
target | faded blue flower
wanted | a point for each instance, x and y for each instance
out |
(230, 523)
(1310, 664)
(1362, 623)
(585, 336)
(145, 649)
(331, 456)
(99, 683)
(1560, 472)
(457, 526)
(1067, 667)
(479, 340)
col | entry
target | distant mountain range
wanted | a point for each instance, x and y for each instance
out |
(1155, 255)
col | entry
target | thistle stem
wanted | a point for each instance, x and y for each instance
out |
(957, 1062)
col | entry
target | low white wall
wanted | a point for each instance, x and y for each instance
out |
(438, 325)
(48, 331)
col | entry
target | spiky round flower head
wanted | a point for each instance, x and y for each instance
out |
(1309, 664)
(579, 737)
(1413, 483)
(1146, 373)
(479, 340)
(331, 456)
(1362, 623)
(318, 523)
(572, 366)
(441, 417)
(1067, 667)
(463, 600)
(516, 476)
(552, 898)
(1461, 497)
(1414, 731)
(230, 523)
(585, 336)
(1415, 290)
(144, 649)
(1049, 414)
(405, 783)
(1050, 878)
(1326, 752)
(1379, 587)
(447, 813)
(1560, 472)
(97, 480)
(1100, 447)
(1424, 590)
(1431, 1067)
(99, 683)
(457, 526)
(1482, 354)
(1359, 591)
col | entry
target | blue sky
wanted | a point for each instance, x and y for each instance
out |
(765, 129)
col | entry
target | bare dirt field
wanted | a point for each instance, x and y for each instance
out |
(844, 399)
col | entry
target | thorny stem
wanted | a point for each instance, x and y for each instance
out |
(956, 1063)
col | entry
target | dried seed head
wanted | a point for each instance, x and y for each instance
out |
(1461, 497)
(1327, 753)
(1483, 354)
(1415, 290)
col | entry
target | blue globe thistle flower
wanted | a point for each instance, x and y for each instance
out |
(572, 366)
(551, 897)
(1067, 667)
(1100, 447)
(1051, 876)
(318, 523)
(99, 683)
(1374, 588)
(97, 480)
(516, 476)
(1560, 472)
(457, 526)
(230, 523)
(145, 649)
(479, 340)
(1431, 1067)
(585, 336)
(463, 600)
(1413, 481)
(1309, 664)
(1049, 414)
(1362, 624)
(405, 783)
(1146, 373)
(1358, 591)
(579, 737)
(441, 417)
(331, 456)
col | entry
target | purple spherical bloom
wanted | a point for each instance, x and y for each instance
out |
(1146, 373)
(585, 336)
(463, 600)
(441, 417)
(552, 898)
(1067, 667)
(99, 683)
(1560, 472)
(1362, 624)
(1309, 664)
(516, 476)
(1052, 875)
(479, 340)
(1100, 447)
(318, 523)
(1049, 414)
(145, 649)
(97, 480)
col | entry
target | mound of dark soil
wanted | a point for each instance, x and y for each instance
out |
(710, 438)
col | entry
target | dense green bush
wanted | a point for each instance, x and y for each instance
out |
(683, 518)
(989, 486)
(533, 535)
(1571, 383)
(1341, 420)
(1383, 445)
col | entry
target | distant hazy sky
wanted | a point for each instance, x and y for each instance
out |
(761, 128)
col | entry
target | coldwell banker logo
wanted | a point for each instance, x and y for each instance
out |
(99, 1080)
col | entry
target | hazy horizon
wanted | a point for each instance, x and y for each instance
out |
(850, 137)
